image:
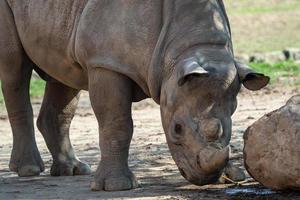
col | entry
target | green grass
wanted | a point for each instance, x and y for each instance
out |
(287, 70)
(37, 88)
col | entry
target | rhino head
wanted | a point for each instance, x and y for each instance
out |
(198, 86)
(197, 101)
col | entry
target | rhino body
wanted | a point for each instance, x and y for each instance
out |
(178, 53)
(65, 38)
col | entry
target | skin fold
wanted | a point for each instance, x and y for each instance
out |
(179, 53)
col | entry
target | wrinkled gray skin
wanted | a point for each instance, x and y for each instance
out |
(177, 52)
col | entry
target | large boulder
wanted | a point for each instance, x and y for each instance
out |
(272, 147)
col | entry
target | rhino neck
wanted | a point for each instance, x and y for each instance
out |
(186, 24)
(155, 75)
(197, 23)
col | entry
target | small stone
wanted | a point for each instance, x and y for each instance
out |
(258, 58)
(236, 174)
(292, 54)
(272, 147)
(270, 57)
(273, 57)
(3, 117)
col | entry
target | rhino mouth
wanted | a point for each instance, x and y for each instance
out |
(192, 171)
(196, 178)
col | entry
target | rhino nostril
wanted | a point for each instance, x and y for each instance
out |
(198, 161)
(178, 129)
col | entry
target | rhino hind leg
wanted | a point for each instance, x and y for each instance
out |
(54, 122)
(15, 74)
(111, 98)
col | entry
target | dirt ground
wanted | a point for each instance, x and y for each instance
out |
(149, 159)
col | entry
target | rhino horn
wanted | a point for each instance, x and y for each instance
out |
(211, 159)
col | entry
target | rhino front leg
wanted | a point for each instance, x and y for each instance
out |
(15, 73)
(25, 157)
(54, 121)
(111, 98)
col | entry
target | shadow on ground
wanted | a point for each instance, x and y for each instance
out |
(149, 158)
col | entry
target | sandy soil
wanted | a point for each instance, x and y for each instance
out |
(149, 159)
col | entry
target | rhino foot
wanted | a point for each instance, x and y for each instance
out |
(70, 168)
(26, 164)
(114, 180)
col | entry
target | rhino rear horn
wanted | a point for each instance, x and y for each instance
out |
(251, 79)
(190, 69)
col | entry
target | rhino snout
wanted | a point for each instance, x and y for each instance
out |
(196, 148)
(209, 167)
(206, 167)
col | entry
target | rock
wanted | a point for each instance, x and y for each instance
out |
(236, 174)
(292, 54)
(271, 57)
(272, 147)
(258, 58)
(276, 56)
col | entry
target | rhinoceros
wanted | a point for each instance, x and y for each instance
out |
(179, 53)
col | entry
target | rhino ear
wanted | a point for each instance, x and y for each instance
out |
(251, 79)
(190, 69)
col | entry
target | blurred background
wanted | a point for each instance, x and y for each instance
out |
(264, 25)
(266, 34)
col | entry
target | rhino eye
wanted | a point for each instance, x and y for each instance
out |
(177, 133)
(178, 129)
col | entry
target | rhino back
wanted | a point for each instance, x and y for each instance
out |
(120, 36)
(46, 30)
(64, 37)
